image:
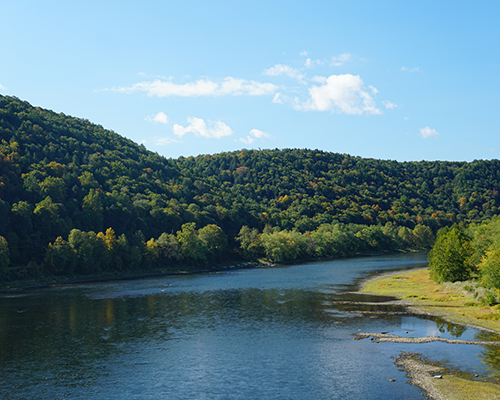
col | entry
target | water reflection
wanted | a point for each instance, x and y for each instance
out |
(453, 329)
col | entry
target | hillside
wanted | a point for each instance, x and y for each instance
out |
(59, 173)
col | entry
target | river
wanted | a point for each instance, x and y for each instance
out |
(262, 333)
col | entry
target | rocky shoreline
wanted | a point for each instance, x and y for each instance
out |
(385, 337)
(421, 374)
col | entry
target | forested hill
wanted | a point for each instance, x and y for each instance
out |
(59, 174)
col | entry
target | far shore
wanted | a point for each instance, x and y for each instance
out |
(54, 281)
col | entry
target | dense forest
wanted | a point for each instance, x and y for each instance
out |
(76, 198)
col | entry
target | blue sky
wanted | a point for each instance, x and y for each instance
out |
(392, 80)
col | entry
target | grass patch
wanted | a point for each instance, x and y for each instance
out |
(491, 316)
(455, 388)
(450, 301)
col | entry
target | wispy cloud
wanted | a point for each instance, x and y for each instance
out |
(280, 69)
(2, 87)
(255, 134)
(344, 94)
(340, 60)
(214, 130)
(303, 53)
(165, 140)
(311, 63)
(202, 87)
(428, 132)
(389, 104)
(279, 98)
(416, 69)
(160, 118)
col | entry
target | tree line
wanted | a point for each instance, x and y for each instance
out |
(60, 175)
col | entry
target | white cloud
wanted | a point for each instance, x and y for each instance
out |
(373, 89)
(2, 87)
(311, 63)
(202, 87)
(389, 104)
(280, 69)
(416, 69)
(255, 134)
(216, 129)
(340, 93)
(160, 118)
(303, 53)
(247, 140)
(340, 60)
(260, 134)
(238, 87)
(428, 132)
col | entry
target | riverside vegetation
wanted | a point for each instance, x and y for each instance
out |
(462, 285)
(79, 200)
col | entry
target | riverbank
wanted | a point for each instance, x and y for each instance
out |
(451, 302)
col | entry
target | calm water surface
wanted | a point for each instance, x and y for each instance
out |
(265, 333)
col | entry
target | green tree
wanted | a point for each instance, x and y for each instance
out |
(192, 247)
(47, 219)
(489, 268)
(423, 236)
(249, 242)
(449, 259)
(283, 245)
(214, 240)
(150, 254)
(89, 249)
(168, 248)
(406, 237)
(53, 187)
(60, 257)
